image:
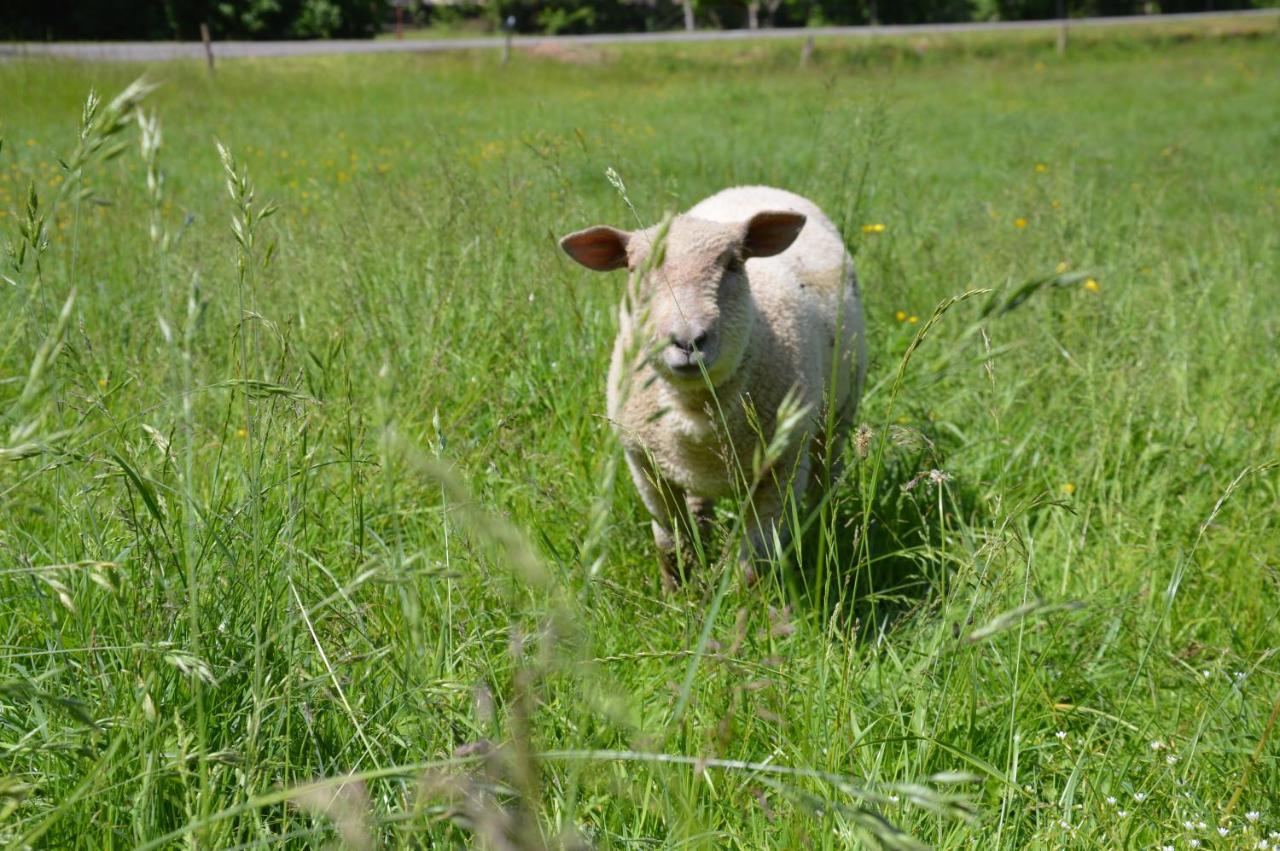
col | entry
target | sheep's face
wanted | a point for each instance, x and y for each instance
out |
(695, 301)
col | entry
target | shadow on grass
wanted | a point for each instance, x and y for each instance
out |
(871, 572)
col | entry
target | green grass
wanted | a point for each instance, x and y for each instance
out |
(341, 500)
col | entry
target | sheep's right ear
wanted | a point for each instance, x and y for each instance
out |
(601, 248)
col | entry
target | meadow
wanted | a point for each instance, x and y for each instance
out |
(312, 529)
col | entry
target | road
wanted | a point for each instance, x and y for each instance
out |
(159, 51)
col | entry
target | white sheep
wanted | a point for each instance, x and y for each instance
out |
(755, 297)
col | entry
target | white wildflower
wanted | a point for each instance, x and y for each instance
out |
(1252, 815)
(1171, 759)
(1223, 831)
(1155, 746)
(1139, 796)
(1111, 799)
(1061, 734)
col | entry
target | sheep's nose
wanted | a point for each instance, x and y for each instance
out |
(688, 346)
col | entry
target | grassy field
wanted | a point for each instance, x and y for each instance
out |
(319, 535)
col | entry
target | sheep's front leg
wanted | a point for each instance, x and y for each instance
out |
(671, 510)
(767, 515)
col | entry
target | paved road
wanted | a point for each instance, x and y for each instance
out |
(152, 51)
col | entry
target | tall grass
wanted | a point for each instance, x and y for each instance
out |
(310, 523)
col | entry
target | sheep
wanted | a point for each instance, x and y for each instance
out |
(752, 297)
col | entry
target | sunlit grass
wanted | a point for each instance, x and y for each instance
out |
(321, 504)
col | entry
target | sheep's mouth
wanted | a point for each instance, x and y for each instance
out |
(685, 366)
(692, 369)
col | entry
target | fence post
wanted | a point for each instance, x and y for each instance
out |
(508, 28)
(208, 45)
(1062, 27)
(806, 52)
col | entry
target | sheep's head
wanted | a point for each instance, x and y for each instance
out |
(700, 312)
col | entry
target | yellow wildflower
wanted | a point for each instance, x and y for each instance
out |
(913, 319)
(873, 228)
(1055, 204)
(1068, 488)
(1091, 285)
(242, 433)
(1041, 168)
(1062, 267)
(1019, 223)
(102, 382)
(901, 316)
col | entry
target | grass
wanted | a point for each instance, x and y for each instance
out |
(298, 529)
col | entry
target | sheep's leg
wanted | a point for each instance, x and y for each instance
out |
(670, 509)
(699, 518)
(767, 516)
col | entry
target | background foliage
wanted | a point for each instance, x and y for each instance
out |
(181, 19)
(287, 19)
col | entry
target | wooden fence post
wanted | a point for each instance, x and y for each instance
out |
(1062, 27)
(208, 45)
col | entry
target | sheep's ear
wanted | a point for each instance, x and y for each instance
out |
(601, 248)
(771, 233)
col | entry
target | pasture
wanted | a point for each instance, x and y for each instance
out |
(318, 533)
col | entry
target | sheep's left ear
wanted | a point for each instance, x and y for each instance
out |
(771, 233)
